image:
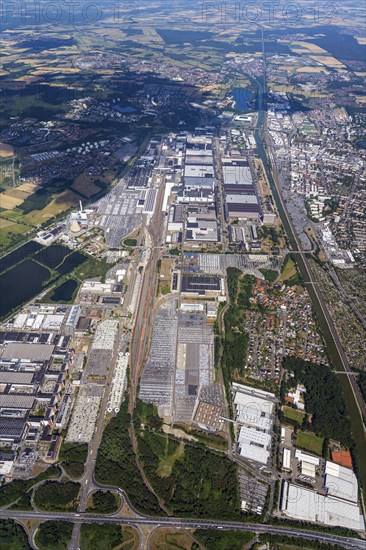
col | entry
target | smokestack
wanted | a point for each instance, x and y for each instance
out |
(81, 207)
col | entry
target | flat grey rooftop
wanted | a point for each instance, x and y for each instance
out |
(40, 352)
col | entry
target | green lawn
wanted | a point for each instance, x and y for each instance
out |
(309, 442)
(293, 414)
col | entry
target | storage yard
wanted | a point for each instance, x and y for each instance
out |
(84, 415)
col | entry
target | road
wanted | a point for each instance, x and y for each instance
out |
(344, 542)
(355, 402)
(321, 302)
(87, 485)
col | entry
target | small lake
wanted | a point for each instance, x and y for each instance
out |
(19, 255)
(64, 292)
(71, 262)
(20, 284)
(53, 255)
(242, 98)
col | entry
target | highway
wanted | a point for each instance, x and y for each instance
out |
(344, 542)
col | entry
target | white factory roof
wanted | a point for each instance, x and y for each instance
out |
(96, 286)
(237, 175)
(191, 307)
(254, 444)
(307, 505)
(253, 402)
(198, 152)
(249, 389)
(286, 459)
(341, 482)
(198, 171)
(310, 459)
(307, 469)
(52, 321)
(241, 199)
(20, 320)
(253, 416)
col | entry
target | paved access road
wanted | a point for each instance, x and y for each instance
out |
(344, 542)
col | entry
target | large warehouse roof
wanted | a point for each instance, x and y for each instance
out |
(16, 401)
(237, 175)
(307, 505)
(11, 377)
(200, 284)
(12, 428)
(254, 444)
(341, 482)
(242, 200)
(40, 352)
(198, 171)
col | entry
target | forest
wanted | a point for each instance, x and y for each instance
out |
(54, 535)
(324, 399)
(53, 495)
(10, 492)
(73, 457)
(104, 502)
(190, 478)
(12, 536)
(116, 464)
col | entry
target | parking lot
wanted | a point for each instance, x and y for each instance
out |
(118, 213)
(85, 414)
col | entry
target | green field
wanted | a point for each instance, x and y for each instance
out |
(309, 442)
(288, 270)
(293, 414)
